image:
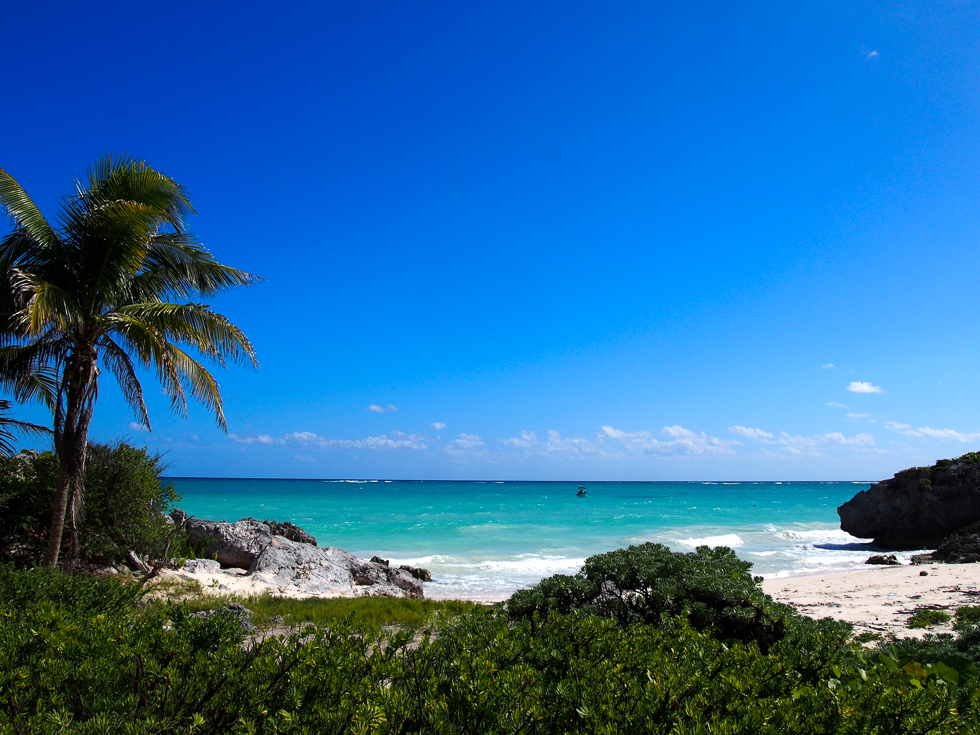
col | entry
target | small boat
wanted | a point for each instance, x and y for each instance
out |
(581, 492)
(581, 487)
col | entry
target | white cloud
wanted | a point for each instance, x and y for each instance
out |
(857, 416)
(133, 426)
(870, 55)
(750, 433)
(468, 441)
(811, 445)
(858, 386)
(835, 404)
(829, 366)
(260, 439)
(946, 434)
(381, 409)
(526, 440)
(308, 438)
(681, 441)
(437, 425)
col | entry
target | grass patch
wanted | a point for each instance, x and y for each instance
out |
(966, 617)
(867, 637)
(926, 618)
(370, 613)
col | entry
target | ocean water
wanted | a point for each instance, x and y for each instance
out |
(483, 540)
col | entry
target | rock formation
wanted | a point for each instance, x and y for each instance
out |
(296, 565)
(918, 507)
(963, 547)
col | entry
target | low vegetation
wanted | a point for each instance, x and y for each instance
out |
(84, 655)
(927, 618)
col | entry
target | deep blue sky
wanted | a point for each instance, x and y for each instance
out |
(616, 241)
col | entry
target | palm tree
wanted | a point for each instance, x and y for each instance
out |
(9, 426)
(114, 281)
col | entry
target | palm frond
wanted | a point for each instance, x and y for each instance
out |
(23, 210)
(194, 325)
(178, 267)
(116, 359)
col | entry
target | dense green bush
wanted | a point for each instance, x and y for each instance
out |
(711, 588)
(65, 670)
(125, 502)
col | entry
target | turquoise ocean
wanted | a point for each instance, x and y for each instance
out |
(483, 540)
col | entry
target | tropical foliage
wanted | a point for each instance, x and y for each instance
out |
(77, 657)
(113, 283)
(126, 503)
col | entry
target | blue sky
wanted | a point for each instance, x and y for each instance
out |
(547, 240)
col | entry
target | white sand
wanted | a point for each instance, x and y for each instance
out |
(881, 599)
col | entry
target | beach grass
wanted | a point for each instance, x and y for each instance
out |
(369, 613)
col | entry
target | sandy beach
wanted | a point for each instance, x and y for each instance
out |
(881, 599)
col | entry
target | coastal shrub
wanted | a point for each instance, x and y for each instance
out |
(366, 613)
(711, 588)
(53, 589)
(27, 488)
(927, 617)
(125, 502)
(81, 668)
(966, 617)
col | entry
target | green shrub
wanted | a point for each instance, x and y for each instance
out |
(125, 502)
(711, 588)
(966, 617)
(927, 617)
(72, 593)
(68, 670)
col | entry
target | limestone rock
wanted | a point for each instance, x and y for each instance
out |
(918, 507)
(288, 530)
(294, 564)
(328, 570)
(232, 544)
(208, 566)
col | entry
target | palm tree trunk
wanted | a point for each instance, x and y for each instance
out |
(71, 444)
(57, 519)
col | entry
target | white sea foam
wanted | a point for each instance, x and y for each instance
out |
(732, 540)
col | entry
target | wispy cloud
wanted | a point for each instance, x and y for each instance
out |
(857, 416)
(829, 366)
(811, 445)
(398, 440)
(835, 404)
(437, 425)
(679, 441)
(858, 386)
(259, 439)
(466, 442)
(870, 54)
(381, 409)
(922, 431)
(526, 440)
(133, 426)
(750, 433)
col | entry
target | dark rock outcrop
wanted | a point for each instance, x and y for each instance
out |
(918, 507)
(882, 559)
(379, 560)
(963, 547)
(423, 575)
(241, 614)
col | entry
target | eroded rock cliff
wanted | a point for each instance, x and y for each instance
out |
(919, 507)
